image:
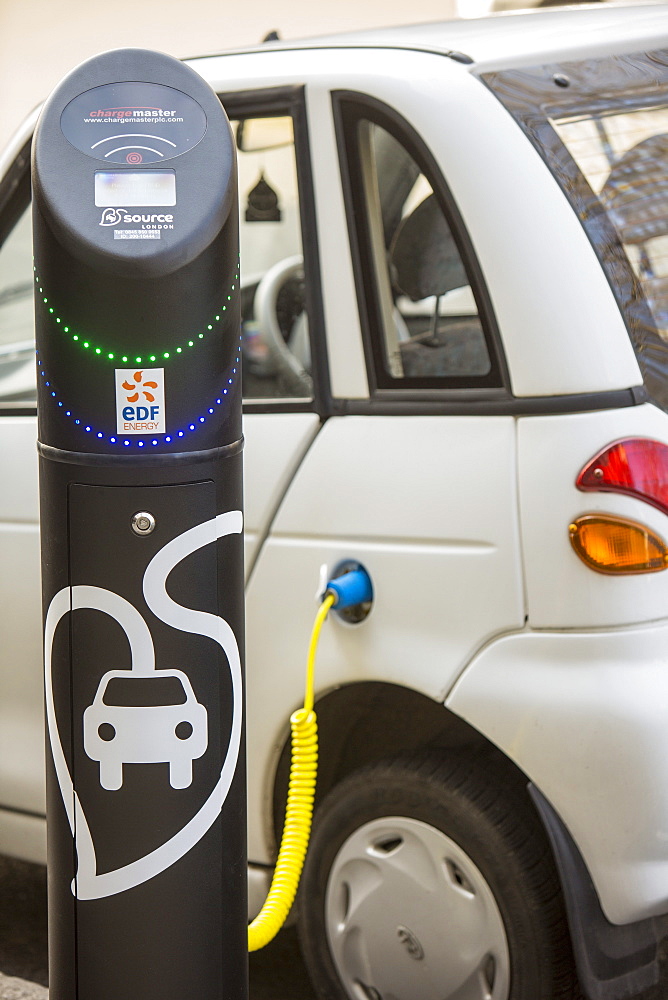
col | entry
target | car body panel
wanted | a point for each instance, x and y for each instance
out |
(562, 591)
(584, 716)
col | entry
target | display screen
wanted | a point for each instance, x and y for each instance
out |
(135, 188)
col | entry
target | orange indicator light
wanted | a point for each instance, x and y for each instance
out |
(616, 545)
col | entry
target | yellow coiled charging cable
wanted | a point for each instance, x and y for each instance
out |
(299, 809)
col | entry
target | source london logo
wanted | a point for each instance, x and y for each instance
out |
(111, 216)
(140, 401)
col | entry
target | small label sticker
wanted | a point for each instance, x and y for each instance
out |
(136, 234)
(140, 401)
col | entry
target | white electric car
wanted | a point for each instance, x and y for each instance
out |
(454, 252)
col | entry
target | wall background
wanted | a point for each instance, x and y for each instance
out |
(41, 40)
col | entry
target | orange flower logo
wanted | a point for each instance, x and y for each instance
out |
(134, 388)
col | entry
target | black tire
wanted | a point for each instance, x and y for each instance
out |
(485, 811)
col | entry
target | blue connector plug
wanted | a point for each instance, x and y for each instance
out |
(354, 587)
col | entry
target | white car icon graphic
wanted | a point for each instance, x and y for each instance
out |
(145, 719)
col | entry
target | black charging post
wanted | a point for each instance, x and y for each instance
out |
(138, 367)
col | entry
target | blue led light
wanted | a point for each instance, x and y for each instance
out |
(140, 443)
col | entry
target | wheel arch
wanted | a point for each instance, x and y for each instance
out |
(362, 723)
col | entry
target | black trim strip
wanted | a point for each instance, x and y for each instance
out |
(390, 404)
(22, 812)
(131, 461)
(279, 406)
(349, 108)
(17, 410)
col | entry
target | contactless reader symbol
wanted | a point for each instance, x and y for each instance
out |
(121, 728)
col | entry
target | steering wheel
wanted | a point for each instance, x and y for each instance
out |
(288, 365)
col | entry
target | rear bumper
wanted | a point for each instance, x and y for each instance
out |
(585, 716)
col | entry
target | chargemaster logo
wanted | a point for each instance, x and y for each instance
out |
(140, 401)
(123, 114)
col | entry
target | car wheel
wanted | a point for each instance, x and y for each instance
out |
(431, 879)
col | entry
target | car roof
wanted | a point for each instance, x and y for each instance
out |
(514, 38)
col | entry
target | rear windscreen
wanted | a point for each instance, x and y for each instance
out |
(602, 127)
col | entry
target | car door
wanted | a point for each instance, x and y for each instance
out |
(416, 476)
(281, 312)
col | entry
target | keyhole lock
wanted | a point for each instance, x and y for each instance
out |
(143, 523)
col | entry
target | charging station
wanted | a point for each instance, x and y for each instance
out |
(139, 411)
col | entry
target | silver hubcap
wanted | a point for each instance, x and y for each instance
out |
(410, 917)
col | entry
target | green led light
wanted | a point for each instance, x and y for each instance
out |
(110, 356)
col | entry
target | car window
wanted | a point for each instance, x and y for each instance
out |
(276, 347)
(424, 319)
(623, 155)
(277, 357)
(602, 127)
(17, 325)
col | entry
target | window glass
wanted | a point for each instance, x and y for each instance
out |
(430, 327)
(17, 324)
(277, 358)
(602, 127)
(624, 157)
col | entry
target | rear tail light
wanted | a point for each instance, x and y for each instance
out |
(635, 466)
(616, 545)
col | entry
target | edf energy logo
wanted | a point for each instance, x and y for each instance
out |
(140, 401)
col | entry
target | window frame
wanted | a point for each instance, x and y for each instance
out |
(273, 102)
(15, 197)
(350, 108)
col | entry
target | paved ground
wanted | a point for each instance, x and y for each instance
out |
(276, 972)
